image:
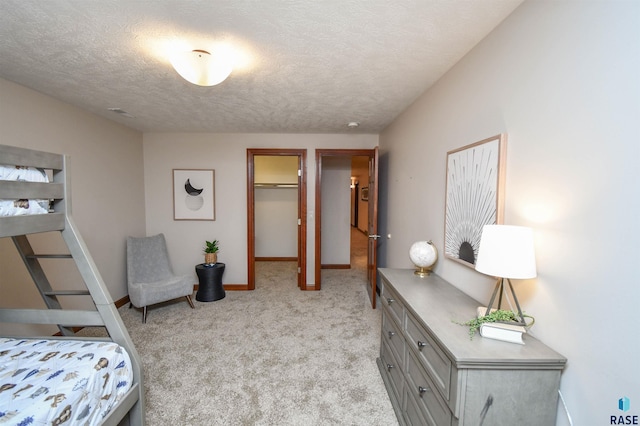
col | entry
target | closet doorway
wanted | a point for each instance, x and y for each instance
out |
(276, 209)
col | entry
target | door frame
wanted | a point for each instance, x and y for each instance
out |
(302, 212)
(320, 153)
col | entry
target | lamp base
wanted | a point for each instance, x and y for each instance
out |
(423, 272)
(499, 290)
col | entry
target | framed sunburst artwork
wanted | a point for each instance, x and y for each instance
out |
(474, 196)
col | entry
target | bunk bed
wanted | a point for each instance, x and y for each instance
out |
(35, 202)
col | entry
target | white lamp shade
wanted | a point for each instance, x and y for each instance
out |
(201, 68)
(507, 251)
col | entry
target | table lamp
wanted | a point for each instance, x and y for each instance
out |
(506, 252)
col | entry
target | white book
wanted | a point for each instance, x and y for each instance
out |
(502, 331)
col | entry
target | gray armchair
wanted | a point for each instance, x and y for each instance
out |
(150, 277)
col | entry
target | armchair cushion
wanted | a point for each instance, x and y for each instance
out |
(149, 293)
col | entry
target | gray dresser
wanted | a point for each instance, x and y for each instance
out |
(436, 375)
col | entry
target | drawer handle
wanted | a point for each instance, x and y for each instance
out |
(389, 367)
(391, 334)
(421, 345)
(390, 301)
(422, 390)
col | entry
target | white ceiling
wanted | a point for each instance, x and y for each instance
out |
(307, 66)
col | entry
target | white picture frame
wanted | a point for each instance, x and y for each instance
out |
(194, 194)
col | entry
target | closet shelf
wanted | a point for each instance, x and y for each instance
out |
(275, 185)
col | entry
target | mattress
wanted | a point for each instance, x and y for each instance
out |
(56, 382)
(23, 206)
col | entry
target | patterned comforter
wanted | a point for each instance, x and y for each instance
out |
(55, 382)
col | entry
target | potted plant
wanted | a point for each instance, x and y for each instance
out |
(496, 315)
(211, 252)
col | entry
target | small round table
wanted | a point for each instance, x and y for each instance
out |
(210, 286)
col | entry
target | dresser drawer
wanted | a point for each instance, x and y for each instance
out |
(412, 413)
(393, 304)
(392, 335)
(430, 355)
(393, 370)
(421, 389)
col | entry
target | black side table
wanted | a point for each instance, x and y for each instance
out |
(210, 282)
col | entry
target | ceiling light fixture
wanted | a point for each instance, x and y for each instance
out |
(201, 68)
(353, 124)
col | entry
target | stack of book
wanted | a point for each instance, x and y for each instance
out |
(500, 330)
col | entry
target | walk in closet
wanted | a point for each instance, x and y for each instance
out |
(276, 207)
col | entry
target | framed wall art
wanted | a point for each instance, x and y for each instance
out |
(193, 194)
(364, 194)
(474, 196)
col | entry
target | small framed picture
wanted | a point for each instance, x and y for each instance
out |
(364, 194)
(193, 194)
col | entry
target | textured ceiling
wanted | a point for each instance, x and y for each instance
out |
(303, 65)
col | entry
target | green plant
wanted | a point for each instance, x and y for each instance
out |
(211, 247)
(499, 315)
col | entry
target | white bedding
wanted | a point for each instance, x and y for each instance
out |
(55, 382)
(27, 174)
(23, 206)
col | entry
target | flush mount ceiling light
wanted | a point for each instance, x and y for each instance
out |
(201, 67)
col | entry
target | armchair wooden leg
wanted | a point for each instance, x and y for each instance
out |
(190, 301)
(144, 315)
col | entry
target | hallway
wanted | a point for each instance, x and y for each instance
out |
(358, 250)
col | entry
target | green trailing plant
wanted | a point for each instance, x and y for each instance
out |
(499, 315)
(211, 247)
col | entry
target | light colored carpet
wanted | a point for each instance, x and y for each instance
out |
(272, 356)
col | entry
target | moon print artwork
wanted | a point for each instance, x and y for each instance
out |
(193, 194)
(475, 184)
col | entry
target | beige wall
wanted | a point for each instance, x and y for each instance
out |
(336, 211)
(106, 180)
(275, 169)
(561, 78)
(227, 155)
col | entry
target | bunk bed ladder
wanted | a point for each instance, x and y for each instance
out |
(49, 295)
